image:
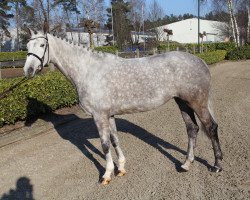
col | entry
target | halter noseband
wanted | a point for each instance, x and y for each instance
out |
(40, 59)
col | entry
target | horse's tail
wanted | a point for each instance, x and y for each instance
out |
(210, 106)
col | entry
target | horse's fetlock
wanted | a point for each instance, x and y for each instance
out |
(122, 160)
(219, 155)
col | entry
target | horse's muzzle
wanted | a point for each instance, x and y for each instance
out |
(30, 72)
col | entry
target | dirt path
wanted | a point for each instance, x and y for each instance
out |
(66, 162)
(14, 72)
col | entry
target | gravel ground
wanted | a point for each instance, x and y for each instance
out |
(66, 161)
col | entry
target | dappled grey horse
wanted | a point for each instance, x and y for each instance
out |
(108, 85)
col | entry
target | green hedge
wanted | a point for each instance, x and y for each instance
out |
(164, 47)
(228, 46)
(107, 49)
(241, 53)
(34, 97)
(213, 56)
(9, 56)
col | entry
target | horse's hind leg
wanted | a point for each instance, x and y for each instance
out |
(192, 130)
(115, 143)
(211, 128)
(103, 126)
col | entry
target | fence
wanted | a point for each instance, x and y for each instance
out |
(139, 54)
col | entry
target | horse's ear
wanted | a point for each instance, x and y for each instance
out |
(45, 27)
(26, 29)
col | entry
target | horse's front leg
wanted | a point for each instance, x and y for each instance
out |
(116, 145)
(103, 126)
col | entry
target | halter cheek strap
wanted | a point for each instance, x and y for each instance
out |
(41, 59)
(33, 54)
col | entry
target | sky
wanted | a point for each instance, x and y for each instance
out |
(178, 7)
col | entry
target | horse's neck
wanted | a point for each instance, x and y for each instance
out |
(69, 59)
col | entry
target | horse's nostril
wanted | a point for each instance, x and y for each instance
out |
(30, 70)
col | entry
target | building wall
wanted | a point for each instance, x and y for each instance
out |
(186, 31)
(99, 38)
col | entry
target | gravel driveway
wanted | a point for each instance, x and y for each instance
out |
(65, 161)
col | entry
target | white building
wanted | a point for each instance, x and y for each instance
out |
(99, 39)
(186, 31)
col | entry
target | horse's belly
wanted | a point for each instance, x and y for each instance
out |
(132, 105)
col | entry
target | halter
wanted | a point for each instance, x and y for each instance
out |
(33, 54)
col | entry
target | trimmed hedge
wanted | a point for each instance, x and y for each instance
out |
(10, 56)
(107, 49)
(241, 53)
(36, 96)
(164, 47)
(228, 46)
(213, 56)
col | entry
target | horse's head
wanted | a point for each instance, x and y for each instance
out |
(38, 52)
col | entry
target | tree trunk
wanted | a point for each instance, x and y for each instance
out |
(48, 14)
(235, 30)
(78, 29)
(17, 26)
(43, 11)
(67, 13)
(91, 42)
(248, 26)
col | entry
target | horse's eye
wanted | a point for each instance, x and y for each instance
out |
(42, 45)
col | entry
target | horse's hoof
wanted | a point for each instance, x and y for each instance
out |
(105, 181)
(185, 168)
(121, 173)
(216, 169)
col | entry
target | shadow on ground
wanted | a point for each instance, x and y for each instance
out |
(78, 131)
(23, 191)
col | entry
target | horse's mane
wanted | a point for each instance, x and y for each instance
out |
(81, 48)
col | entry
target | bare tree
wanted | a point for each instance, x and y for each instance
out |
(42, 11)
(136, 15)
(90, 25)
(17, 5)
(5, 17)
(234, 24)
(231, 7)
(248, 25)
(155, 11)
(94, 10)
(245, 5)
(71, 11)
